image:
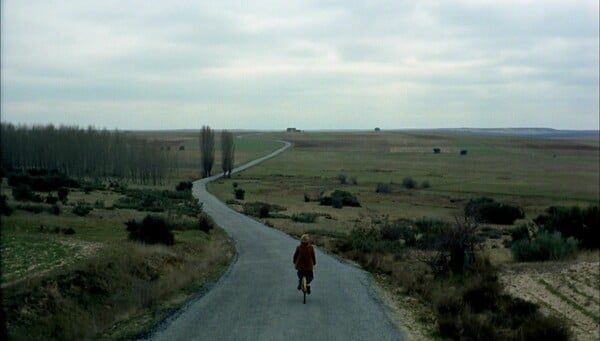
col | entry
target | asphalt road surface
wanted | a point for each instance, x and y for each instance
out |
(257, 298)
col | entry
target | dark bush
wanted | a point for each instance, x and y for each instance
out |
(261, 209)
(383, 188)
(581, 224)
(239, 194)
(184, 186)
(68, 231)
(486, 210)
(437, 150)
(409, 183)
(62, 194)
(425, 184)
(340, 198)
(463, 152)
(343, 179)
(520, 232)
(42, 180)
(305, 217)
(23, 192)
(4, 208)
(205, 222)
(151, 230)
(81, 209)
(50, 199)
(353, 180)
(235, 185)
(55, 209)
(482, 293)
(545, 246)
(543, 328)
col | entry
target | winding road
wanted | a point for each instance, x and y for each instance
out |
(256, 299)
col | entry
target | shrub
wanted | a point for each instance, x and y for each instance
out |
(239, 194)
(520, 232)
(353, 180)
(409, 183)
(305, 217)
(340, 198)
(425, 184)
(383, 188)
(581, 224)
(184, 186)
(62, 194)
(205, 222)
(261, 209)
(151, 230)
(235, 185)
(343, 179)
(4, 208)
(50, 199)
(81, 209)
(540, 327)
(22, 192)
(55, 209)
(486, 210)
(463, 152)
(545, 246)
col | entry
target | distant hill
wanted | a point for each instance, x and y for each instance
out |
(527, 132)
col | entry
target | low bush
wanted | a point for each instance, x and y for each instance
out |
(81, 209)
(486, 210)
(545, 246)
(239, 193)
(261, 209)
(581, 224)
(383, 188)
(367, 240)
(409, 183)
(205, 222)
(305, 217)
(181, 203)
(353, 180)
(151, 230)
(42, 181)
(342, 178)
(520, 232)
(540, 327)
(62, 193)
(23, 192)
(425, 184)
(4, 208)
(232, 202)
(340, 198)
(50, 199)
(184, 186)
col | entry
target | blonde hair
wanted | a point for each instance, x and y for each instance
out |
(305, 238)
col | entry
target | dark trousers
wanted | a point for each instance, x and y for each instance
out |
(309, 277)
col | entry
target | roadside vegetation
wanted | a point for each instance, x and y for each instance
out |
(94, 253)
(499, 243)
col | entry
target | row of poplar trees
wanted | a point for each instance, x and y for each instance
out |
(81, 152)
(207, 151)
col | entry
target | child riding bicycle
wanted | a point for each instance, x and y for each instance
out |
(305, 260)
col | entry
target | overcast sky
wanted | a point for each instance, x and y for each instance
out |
(311, 65)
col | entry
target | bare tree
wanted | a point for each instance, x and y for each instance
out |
(227, 152)
(207, 150)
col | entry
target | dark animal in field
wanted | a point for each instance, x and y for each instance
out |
(463, 152)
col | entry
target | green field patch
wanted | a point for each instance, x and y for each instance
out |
(24, 255)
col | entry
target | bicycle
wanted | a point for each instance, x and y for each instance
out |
(304, 287)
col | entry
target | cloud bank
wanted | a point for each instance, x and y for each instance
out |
(312, 65)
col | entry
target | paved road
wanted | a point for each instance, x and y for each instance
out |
(257, 298)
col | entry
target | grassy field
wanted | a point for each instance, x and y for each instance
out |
(531, 173)
(77, 277)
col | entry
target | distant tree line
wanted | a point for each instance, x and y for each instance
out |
(82, 152)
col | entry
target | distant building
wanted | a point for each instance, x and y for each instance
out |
(293, 130)
(377, 129)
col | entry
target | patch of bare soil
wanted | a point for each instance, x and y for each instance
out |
(568, 289)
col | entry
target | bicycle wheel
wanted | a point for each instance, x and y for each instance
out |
(304, 288)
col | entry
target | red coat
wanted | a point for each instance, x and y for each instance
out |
(304, 257)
